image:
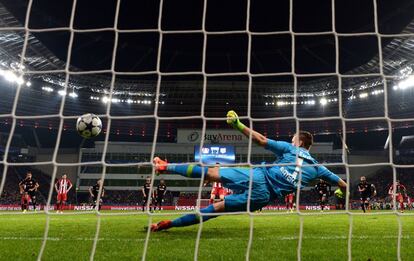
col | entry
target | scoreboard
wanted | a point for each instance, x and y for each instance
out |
(212, 154)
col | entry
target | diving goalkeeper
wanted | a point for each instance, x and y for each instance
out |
(268, 182)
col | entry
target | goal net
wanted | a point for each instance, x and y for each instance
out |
(304, 65)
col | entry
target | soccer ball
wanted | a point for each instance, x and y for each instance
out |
(89, 125)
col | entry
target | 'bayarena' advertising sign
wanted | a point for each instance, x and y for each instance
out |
(210, 136)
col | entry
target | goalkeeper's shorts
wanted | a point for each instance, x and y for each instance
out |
(238, 179)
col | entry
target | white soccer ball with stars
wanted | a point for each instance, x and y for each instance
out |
(89, 125)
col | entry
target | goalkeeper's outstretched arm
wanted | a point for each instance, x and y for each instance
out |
(234, 121)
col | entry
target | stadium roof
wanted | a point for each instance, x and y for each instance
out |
(182, 95)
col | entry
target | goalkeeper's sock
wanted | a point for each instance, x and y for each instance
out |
(191, 219)
(363, 207)
(402, 206)
(189, 171)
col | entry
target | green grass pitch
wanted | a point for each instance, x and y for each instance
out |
(325, 237)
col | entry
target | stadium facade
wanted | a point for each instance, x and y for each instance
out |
(134, 159)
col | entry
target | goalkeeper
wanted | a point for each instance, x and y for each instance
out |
(340, 199)
(268, 182)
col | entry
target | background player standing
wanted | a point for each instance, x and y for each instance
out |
(148, 194)
(217, 190)
(94, 192)
(289, 198)
(366, 191)
(28, 188)
(161, 191)
(409, 203)
(340, 199)
(62, 187)
(323, 189)
(400, 194)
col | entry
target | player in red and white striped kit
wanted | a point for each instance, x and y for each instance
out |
(400, 194)
(62, 187)
(409, 203)
(218, 190)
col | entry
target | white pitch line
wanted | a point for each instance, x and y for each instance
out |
(278, 238)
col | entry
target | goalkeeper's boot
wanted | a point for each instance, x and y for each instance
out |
(160, 165)
(162, 225)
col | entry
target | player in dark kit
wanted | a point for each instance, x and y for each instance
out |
(323, 189)
(28, 188)
(161, 190)
(147, 194)
(366, 191)
(94, 191)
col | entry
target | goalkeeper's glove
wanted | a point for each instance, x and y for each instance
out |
(233, 120)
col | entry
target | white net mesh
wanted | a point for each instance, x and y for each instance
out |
(248, 118)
